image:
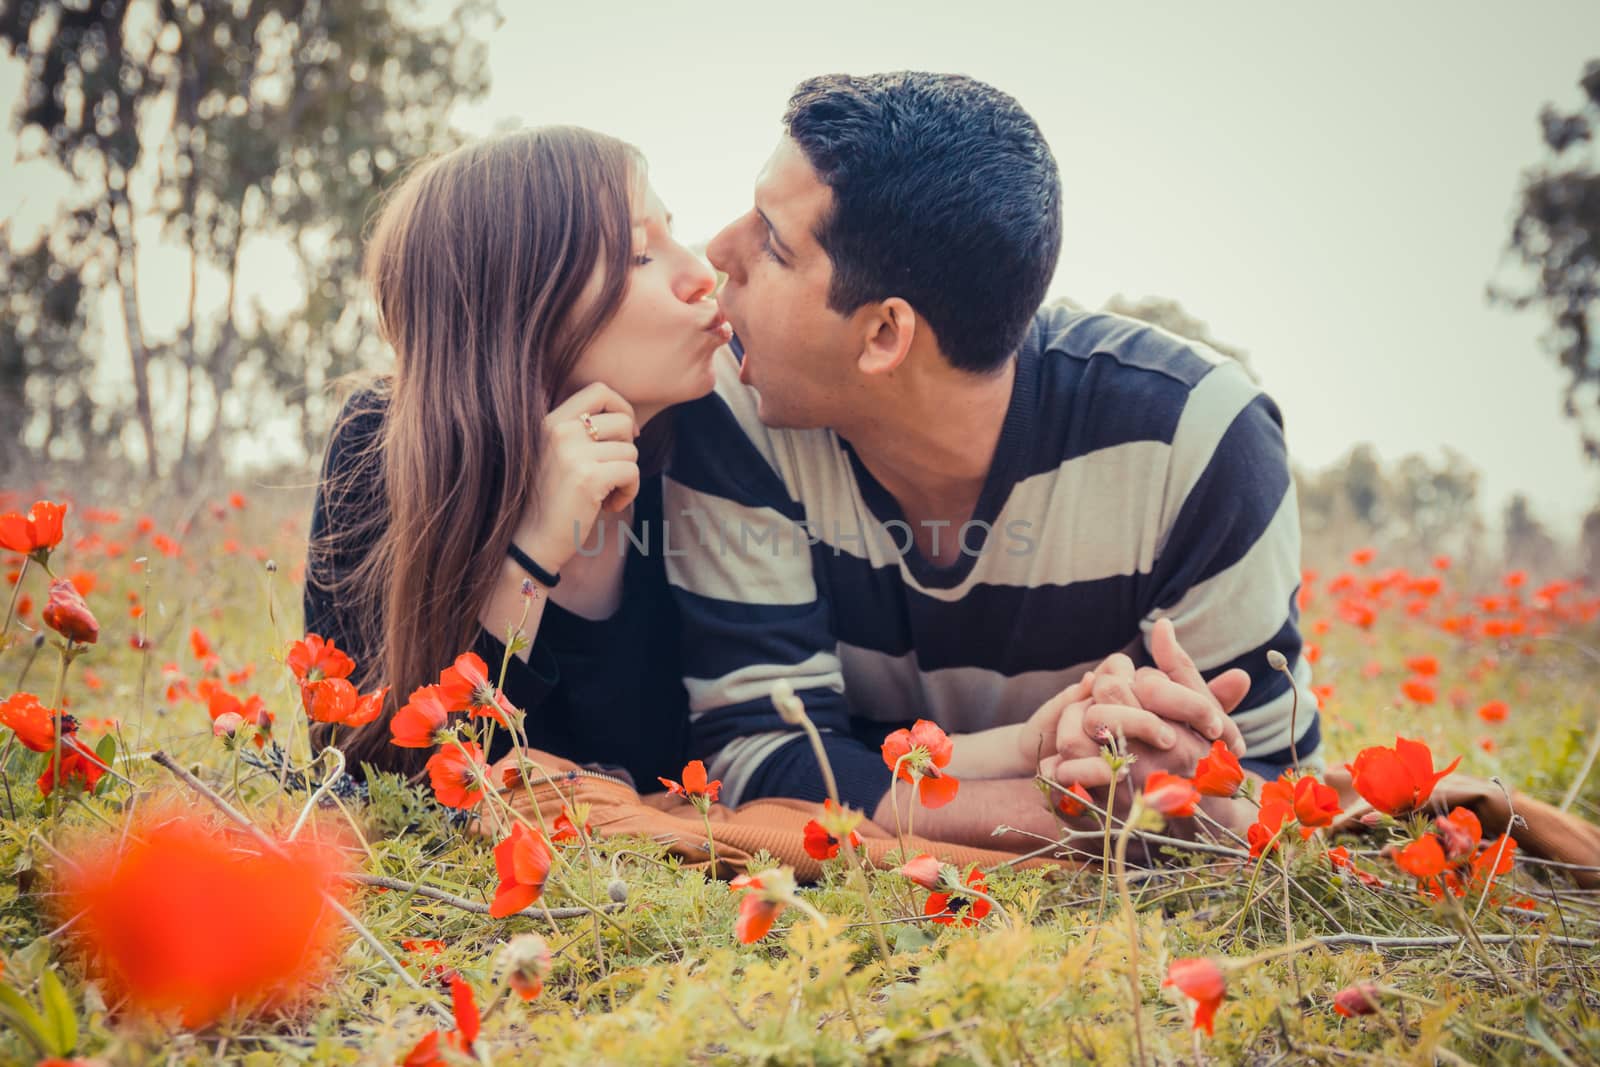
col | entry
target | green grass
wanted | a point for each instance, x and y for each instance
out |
(1045, 979)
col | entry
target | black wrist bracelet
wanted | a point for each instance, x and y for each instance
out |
(525, 561)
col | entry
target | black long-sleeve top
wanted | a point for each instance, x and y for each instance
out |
(605, 692)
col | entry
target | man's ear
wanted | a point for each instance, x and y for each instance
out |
(890, 329)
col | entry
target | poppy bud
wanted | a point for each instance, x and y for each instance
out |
(227, 724)
(272, 566)
(790, 708)
(617, 890)
(525, 961)
(1358, 999)
(1276, 660)
(925, 870)
(68, 615)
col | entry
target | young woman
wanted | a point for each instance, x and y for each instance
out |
(543, 319)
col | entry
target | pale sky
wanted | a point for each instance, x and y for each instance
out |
(1330, 187)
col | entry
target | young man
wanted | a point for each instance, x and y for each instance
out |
(915, 493)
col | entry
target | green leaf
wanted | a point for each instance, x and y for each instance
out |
(59, 1017)
(20, 1014)
(106, 749)
(1536, 1030)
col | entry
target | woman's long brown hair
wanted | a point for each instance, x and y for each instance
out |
(476, 261)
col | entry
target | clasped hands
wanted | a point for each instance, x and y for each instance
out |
(1168, 715)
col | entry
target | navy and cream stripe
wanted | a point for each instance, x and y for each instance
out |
(1138, 475)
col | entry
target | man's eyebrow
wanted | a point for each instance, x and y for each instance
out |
(775, 236)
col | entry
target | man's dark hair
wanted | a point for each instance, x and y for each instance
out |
(944, 194)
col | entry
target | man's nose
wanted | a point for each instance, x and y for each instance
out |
(720, 251)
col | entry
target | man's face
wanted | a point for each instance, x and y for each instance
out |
(798, 354)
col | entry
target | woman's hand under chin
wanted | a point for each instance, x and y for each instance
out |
(588, 464)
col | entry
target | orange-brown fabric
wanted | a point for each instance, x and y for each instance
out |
(777, 825)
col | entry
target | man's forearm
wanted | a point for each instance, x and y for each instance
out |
(970, 819)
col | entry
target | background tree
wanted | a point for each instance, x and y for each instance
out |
(228, 123)
(1171, 316)
(1557, 236)
(1528, 545)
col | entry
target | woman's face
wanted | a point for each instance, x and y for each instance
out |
(656, 350)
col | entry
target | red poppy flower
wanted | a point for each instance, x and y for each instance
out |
(1494, 711)
(181, 917)
(33, 723)
(68, 615)
(1460, 832)
(1268, 822)
(1312, 803)
(425, 947)
(920, 755)
(335, 700)
(426, 1053)
(566, 829)
(1399, 779)
(948, 908)
(523, 863)
(1425, 666)
(465, 687)
(1358, 999)
(312, 659)
(1497, 857)
(694, 785)
(1218, 773)
(417, 725)
(757, 911)
(78, 767)
(1201, 981)
(1423, 858)
(1419, 691)
(1071, 804)
(822, 845)
(1171, 795)
(34, 533)
(457, 772)
(925, 870)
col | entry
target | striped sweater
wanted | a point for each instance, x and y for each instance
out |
(1137, 475)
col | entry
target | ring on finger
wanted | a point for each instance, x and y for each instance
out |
(588, 426)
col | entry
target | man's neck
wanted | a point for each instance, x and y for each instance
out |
(932, 437)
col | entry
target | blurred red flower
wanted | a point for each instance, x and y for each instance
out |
(181, 917)
(1171, 795)
(1201, 981)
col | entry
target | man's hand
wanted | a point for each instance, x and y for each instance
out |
(1165, 713)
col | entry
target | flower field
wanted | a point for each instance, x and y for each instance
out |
(185, 883)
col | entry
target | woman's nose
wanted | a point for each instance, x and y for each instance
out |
(698, 281)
